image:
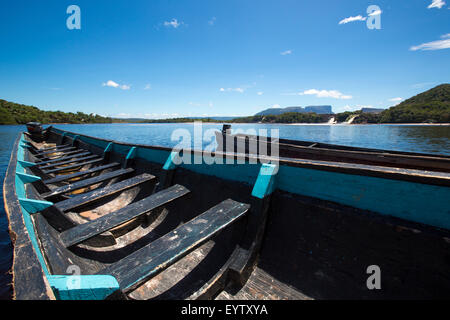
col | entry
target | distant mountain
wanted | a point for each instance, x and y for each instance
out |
(278, 111)
(371, 110)
(427, 107)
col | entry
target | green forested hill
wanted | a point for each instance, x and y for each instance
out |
(430, 106)
(14, 113)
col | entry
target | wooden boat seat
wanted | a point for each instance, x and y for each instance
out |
(87, 182)
(165, 251)
(79, 174)
(40, 154)
(73, 166)
(46, 162)
(58, 156)
(109, 221)
(49, 148)
(98, 194)
(66, 162)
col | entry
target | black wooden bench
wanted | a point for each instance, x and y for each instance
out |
(71, 153)
(87, 182)
(51, 148)
(98, 194)
(107, 222)
(40, 154)
(73, 166)
(81, 173)
(65, 162)
(43, 163)
(165, 251)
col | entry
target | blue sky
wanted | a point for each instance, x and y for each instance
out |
(159, 59)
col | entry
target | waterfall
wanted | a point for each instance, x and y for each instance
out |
(332, 120)
(350, 119)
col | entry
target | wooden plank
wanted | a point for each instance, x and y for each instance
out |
(53, 165)
(107, 222)
(43, 163)
(40, 154)
(86, 183)
(165, 251)
(51, 148)
(81, 173)
(76, 152)
(73, 166)
(95, 195)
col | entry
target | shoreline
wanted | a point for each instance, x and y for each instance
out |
(252, 123)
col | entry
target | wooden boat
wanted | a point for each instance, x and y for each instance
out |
(97, 219)
(286, 148)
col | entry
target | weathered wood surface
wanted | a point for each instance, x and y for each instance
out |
(29, 282)
(43, 163)
(95, 195)
(165, 251)
(62, 150)
(58, 156)
(262, 286)
(73, 166)
(80, 173)
(50, 148)
(54, 165)
(88, 230)
(87, 182)
(338, 153)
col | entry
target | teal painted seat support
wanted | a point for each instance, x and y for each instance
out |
(107, 152)
(83, 287)
(62, 137)
(130, 156)
(173, 160)
(74, 139)
(247, 252)
(26, 164)
(34, 206)
(27, 178)
(265, 183)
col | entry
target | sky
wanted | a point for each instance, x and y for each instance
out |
(163, 59)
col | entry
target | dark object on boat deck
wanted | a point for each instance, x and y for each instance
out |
(34, 127)
(36, 130)
(138, 223)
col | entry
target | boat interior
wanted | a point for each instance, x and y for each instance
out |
(136, 225)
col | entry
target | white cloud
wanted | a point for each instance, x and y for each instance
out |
(326, 94)
(434, 45)
(284, 53)
(148, 86)
(212, 21)
(113, 84)
(396, 99)
(260, 93)
(240, 90)
(436, 4)
(375, 13)
(352, 19)
(173, 23)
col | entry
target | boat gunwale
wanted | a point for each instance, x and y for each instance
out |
(403, 174)
(21, 241)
